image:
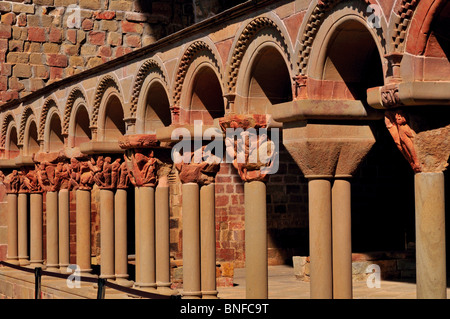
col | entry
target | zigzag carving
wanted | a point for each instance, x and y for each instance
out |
(247, 35)
(8, 118)
(105, 83)
(74, 94)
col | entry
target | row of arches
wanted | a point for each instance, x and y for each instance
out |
(344, 59)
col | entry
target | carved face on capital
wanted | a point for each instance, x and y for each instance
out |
(400, 118)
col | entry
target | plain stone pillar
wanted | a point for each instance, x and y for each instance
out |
(120, 238)
(191, 241)
(342, 240)
(83, 230)
(162, 244)
(147, 237)
(320, 247)
(51, 204)
(208, 241)
(36, 226)
(256, 271)
(22, 220)
(137, 237)
(12, 256)
(107, 233)
(430, 236)
(63, 227)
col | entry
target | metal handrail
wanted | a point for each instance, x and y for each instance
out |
(101, 283)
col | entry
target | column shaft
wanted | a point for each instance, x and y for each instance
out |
(107, 233)
(137, 227)
(22, 219)
(430, 236)
(320, 247)
(191, 241)
(147, 237)
(36, 226)
(51, 205)
(12, 229)
(120, 238)
(342, 240)
(83, 230)
(256, 240)
(208, 241)
(63, 227)
(162, 234)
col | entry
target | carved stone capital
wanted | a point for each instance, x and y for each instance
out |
(142, 168)
(253, 153)
(202, 173)
(422, 136)
(389, 96)
(138, 141)
(12, 182)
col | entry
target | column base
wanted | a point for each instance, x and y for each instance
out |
(52, 267)
(212, 294)
(164, 288)
(23, 261)
(191, 295)
(13, 260)
(64, 268)
(37, 264)
(123, 281)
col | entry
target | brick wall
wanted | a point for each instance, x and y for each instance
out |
(40, 42)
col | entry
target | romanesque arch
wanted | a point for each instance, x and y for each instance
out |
(28, 134)
(53, 138)
(150, 102)
(199, 67)
(107, 82)
(9, 140)
(74, 96)
(261, 67)
(110, 123)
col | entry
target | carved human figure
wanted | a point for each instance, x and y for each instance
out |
(97, 170)
(143, 172)
(74, 174)
(12, 182)
(62, 175)
(203, 172)
(86, 175)
(124, 176)
(403, 136)
(115, 171)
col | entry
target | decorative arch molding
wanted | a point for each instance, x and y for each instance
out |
(8, 118)
(190, 54)
(106, 82)
(75, 94)
(148, 67)
(27, 112)
(316, 15)
(48, 104)
(250, 32)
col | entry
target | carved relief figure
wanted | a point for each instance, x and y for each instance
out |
(115, 171)
(202, 173)
(143, 172)
(403, 136)
(86, 175)
(74, 174)
(124, 176)
(12, 182)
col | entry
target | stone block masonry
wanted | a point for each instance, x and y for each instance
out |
(40, 42)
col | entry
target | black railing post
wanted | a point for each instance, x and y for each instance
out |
(37, 282)
(101, 288)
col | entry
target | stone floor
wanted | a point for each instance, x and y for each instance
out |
(284, 285)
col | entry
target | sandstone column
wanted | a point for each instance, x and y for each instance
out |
(147, 237)
(191, 241)
(12, 229)
(430, 236)
(342, 241)
(106, 233)
(63, 227)
(36, 226)
(83, 230)
(137, 227)
(320, 244)
(22, 219)
(256, 271)
(52, 230)
(162, 218)
(208, 241)
(424, 141)
(120, 238)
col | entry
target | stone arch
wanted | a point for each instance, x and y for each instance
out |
(30, 138)
(110, 124)
(105, 83)
(247, 36)
(8, 122)
(193, 51)
(400, 22)
(149, 67)
(75, 94)
(346, 56)
(317, 13)
(48, 104)
(153, 108)
(53, 137)
(79, 130)
(26, 113)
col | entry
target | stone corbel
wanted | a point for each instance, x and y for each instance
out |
(299, 89)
